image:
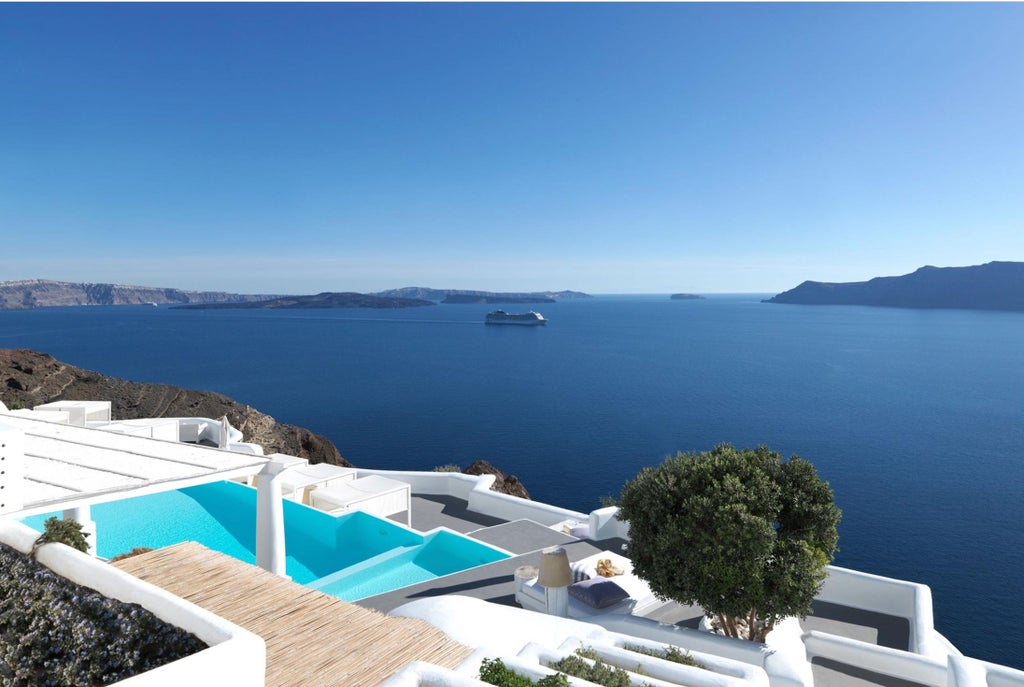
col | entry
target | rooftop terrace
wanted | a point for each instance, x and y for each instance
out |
(863, 630)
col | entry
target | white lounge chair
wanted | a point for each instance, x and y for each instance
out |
(374, 494)
(301, 480)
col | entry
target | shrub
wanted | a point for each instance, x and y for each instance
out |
(54, 632)
(597, 671)
(670, 653)
(450, 467)
(494, 672)
(66, 531)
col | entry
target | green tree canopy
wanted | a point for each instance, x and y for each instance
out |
(742, 533)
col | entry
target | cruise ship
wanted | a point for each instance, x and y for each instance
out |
(527, 318)
(265, 629)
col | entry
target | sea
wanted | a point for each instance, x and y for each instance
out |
(914, 417)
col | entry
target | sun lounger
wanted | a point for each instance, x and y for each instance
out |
(374, 494)
(298, 482)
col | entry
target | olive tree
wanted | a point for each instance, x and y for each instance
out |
(744, 534)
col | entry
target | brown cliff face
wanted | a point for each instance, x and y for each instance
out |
(43, 293)
(505, 484)
(29, 378)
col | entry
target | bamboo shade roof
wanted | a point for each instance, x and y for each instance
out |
(311, 638)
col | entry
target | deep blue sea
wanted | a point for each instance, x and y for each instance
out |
(915, 417)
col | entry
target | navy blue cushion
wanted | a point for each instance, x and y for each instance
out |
(598, 592)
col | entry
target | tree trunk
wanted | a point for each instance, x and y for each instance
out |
(727, 626)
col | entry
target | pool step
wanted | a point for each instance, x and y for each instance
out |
(371, 562)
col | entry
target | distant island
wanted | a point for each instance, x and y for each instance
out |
(44, 293)
(463, 298)
(327, 299)
(686, 297)
(992, 286)
(466, 296)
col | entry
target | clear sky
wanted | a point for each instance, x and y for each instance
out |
(609, 148)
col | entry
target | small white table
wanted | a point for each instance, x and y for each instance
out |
(300, 480)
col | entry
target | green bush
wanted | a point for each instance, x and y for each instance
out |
(450, 467)
(494, 672)
(55, 633)
(597, 672)
(66, 531)
(670, 653)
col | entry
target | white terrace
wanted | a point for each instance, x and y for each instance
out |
(47, 465)
(66, 466)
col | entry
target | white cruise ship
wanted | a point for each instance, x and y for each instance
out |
(527, 318)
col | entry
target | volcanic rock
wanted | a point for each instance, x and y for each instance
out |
(505, 484)
(29, 378)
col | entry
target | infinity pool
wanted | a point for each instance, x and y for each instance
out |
(350, 556)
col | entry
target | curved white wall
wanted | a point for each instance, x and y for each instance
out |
(476, 491)
(235, 655)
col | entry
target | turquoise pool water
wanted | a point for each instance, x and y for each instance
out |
(350, 556)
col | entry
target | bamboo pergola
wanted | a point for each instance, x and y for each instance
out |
(311, 638)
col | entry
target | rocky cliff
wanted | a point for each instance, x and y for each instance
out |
(41, 293)
(327, 299)
(506, 484)
(29, 378)
(467, 296)
(463, 299)
(992, 286)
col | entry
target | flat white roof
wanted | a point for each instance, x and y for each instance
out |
(66, 466)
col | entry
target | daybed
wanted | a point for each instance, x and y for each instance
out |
(592, 594)
(374, 494)
(300, 481)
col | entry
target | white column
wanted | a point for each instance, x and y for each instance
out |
(83, 516)
(12, 467)
(270, 552)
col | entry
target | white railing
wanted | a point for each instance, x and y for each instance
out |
(886, 595)
(1001, 676)
(714, 671)
(476, 491)
(785, 665)
(642, 671)
(751, 675)
(879, 659)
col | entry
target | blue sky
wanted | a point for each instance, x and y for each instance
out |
(609, 148)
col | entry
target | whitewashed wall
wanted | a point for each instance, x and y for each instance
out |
(476, 491)
(235, 655)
